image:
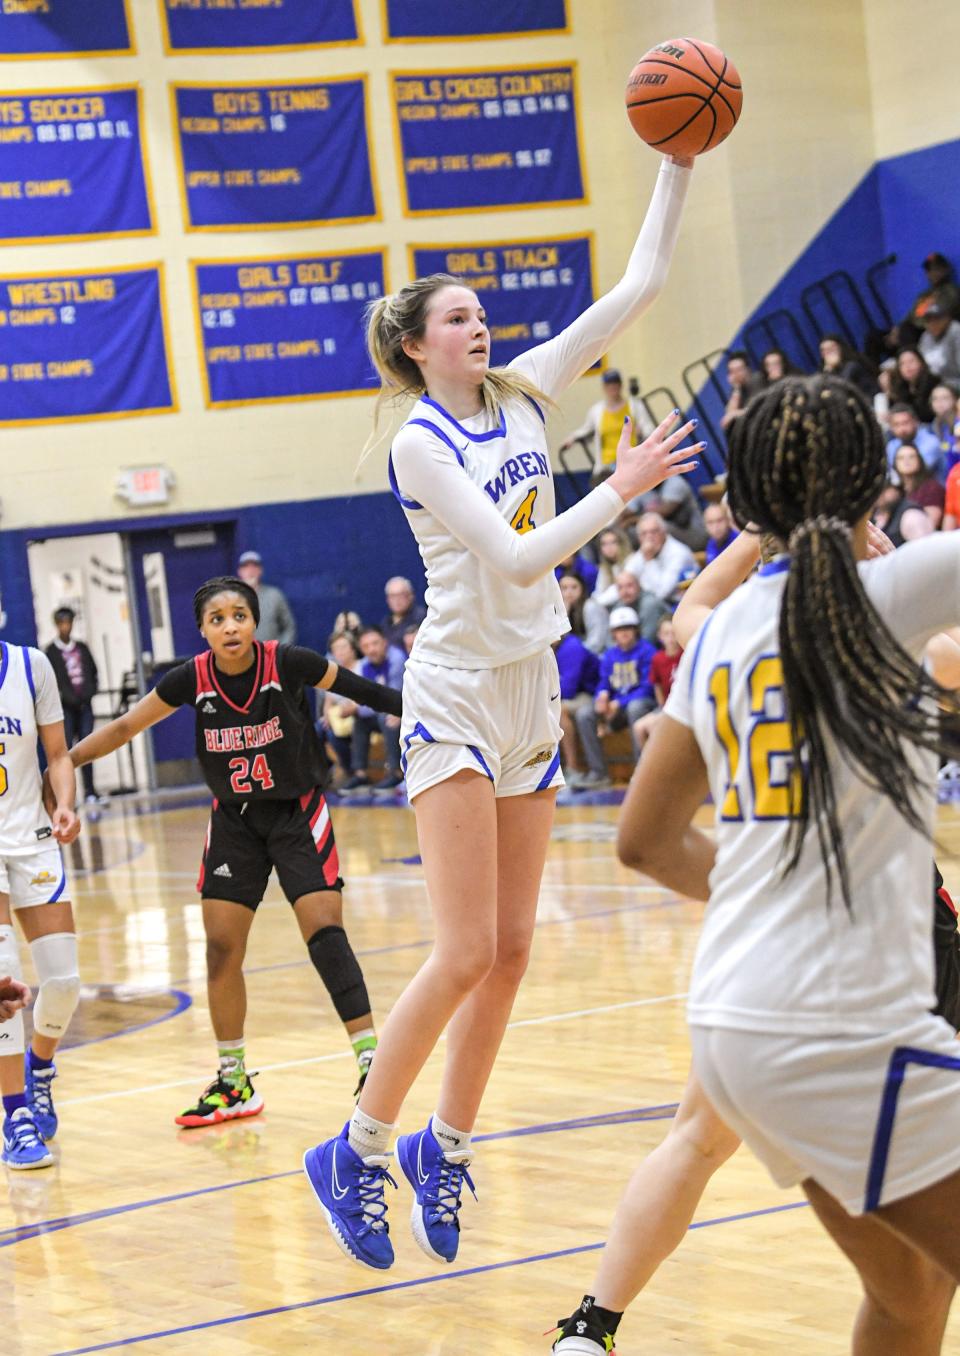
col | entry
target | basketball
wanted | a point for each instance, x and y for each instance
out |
(684, 97)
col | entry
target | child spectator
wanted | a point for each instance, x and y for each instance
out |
(624, 692)
(663, 668)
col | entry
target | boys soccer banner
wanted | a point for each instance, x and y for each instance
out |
(287, 154)
(488, 138)
(531, 289)
(232, 25)
(83, 345)
(72, 165)
(413, 19)
(60, 28)
(288, 327)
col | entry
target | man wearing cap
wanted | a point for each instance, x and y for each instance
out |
(78, 682)
(276, 619)
(940, 343)
(604, 423)
(624, 692)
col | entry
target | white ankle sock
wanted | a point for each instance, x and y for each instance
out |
(451, 1141)
(367, 1136)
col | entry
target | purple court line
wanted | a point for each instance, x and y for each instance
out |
(183, 1002)
(21, 1233)
(435, 1279)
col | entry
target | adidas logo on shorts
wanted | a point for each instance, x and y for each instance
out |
(208, 709)
(223, 871)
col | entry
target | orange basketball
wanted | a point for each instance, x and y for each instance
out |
(684, 97)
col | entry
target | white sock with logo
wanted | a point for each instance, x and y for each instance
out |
(367, 1136)
(454, 1143)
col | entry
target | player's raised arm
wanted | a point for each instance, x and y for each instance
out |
(361, 690)
(112, 736)
(715, 582)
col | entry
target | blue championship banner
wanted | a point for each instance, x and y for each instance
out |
(194, 26)
(530, 289)
(293, 153)
(72, 165)
(406, 20)
(88, 345)
(286, 328)
(63, 28)
(500, 137)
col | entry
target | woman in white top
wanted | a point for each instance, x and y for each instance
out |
(481, 695)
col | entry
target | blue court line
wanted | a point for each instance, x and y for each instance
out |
(84, 873)
(22, 1232)
(435, 1279)
(184, 1001)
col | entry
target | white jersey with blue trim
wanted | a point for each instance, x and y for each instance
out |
(479, 495)
(28, 698)
(772, 955)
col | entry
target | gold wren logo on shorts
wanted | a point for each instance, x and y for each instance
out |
(44, 878)
(543, 757)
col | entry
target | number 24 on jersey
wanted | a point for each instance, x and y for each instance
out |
(763, 779)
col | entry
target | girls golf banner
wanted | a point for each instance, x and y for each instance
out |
(406, 20)
(62, 28)
(72, 165)
(88, 345)
(500, 137)
(237, 25)
(531, 289)
(286, 328)
(292, 153)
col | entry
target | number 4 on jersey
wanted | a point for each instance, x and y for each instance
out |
(522, 520)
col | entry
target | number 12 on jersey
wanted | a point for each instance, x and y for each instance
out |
(763, 779)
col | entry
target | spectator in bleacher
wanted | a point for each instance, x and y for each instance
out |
(381, 663)
(889, 510)
(336, 725)
(579, 670)
(613, 547)
(677, 503)
(945, 426)
(663, 668)
(624, 692)
(588, 619)
(775, 365)
(744, 385)
(951, 506)
(348, 621)
(578, 564)
(404, 610)
(276, 619)
(604, 423)
(840, 359)
(409, 636)
(941, 290)
(78, 682)
(881, 398)
(920, 486)
(659, 565)
(939, 343)
(720, 529)
(905, 427)
(912, 382)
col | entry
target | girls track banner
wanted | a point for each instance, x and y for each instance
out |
(500, 137)
(72, 165)
(62, 28)
(88, 345)
(293, 153)
(531, 289)
(237, 25)
(406, 20)
(286, 328)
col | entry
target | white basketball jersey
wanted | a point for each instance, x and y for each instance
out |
(28, 698)
(772, 954)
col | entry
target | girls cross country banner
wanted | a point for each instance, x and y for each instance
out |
(293, 153)
(72, 165)
(499, 137)
(62, 28)
(406, 20)
(530, 289)
(88, 345)
(239, 25)
(286, 328)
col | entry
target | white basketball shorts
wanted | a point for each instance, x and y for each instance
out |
(502, 723)
(869, 1118)
(36, 877)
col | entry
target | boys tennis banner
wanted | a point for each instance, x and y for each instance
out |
(293, 153)
(232, 25)
(413, 19)
(531, 289)
(72, 165)
(60, 28)
(286, 328)
(85, 345)
(500, 137)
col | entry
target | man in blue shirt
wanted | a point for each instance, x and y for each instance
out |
(905, 427)
(381, 663)
(624, 692)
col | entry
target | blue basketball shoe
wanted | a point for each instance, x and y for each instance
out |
(23, 1145)
(350, 1191)
(437, 1180)
(40, 1097)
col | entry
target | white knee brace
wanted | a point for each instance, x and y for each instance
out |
(11, 1031)
(55, 961)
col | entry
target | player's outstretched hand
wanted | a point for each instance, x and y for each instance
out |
(878, 543)
(656, 459)
(13, 997)
(66, 825)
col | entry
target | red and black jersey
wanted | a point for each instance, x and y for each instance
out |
(266, 749)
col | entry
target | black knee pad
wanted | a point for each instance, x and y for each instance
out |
(338, 967)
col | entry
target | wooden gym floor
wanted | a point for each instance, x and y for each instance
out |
(163, 1241)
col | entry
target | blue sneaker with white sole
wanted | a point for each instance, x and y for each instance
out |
(23, 1145)
(437, 1180)
(350, 1191)
(39, 1092)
